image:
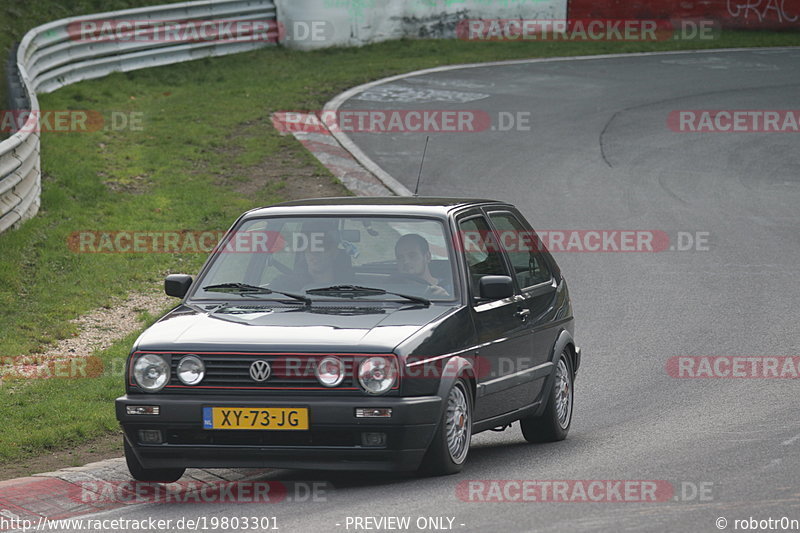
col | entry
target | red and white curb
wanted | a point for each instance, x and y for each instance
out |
(318, 139)
(83, 490)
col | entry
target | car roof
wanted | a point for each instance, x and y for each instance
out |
(399, 205)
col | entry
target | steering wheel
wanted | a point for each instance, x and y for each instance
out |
(410, 277)
(283, 269)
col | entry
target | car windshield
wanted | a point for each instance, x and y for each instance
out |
(331, 256)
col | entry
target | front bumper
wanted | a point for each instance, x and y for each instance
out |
(333, 441)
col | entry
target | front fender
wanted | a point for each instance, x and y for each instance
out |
(455, 368)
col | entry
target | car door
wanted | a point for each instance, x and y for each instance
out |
(537, 296)
(501, 326)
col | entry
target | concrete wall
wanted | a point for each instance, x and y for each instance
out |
(309, 24)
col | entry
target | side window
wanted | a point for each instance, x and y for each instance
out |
(520, 244)
(481, 251)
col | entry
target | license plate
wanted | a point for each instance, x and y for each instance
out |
(274, 418)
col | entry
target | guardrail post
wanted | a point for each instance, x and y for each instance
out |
(53, 55)
(15, 90)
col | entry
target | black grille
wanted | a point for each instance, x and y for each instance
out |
(287, 371)
(264, 438)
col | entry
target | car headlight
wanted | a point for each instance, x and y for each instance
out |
(330, 371)
(191, 370)
(151, 372)
(377, 374)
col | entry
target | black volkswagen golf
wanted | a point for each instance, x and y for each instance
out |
(354, 334)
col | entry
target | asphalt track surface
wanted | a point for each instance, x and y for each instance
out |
(599, 155)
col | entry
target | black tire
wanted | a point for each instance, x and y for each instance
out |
(439, 459)
(156, 475)
(553, 424)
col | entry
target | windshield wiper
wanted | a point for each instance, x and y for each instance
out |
(245, 289)
(354, 291)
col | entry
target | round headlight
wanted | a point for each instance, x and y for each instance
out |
(330, 371)
(151, 372)
(377, 374)
(191, 370)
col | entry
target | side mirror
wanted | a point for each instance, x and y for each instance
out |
(495, 287)
(177, 285)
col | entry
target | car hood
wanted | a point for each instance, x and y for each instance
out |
(276, 328)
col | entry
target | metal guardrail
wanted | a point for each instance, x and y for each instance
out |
(49, 57)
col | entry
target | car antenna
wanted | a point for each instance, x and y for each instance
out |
(425, 151)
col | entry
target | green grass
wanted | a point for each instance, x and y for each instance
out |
(206, 127)
(57, 413)
(19, 16)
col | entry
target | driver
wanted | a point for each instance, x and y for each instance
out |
(320, 264)
(413, 261)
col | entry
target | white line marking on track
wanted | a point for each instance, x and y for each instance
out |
(791, 441)
(401, 190)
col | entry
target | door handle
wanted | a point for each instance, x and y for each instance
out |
(523, 314)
